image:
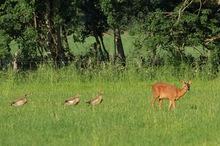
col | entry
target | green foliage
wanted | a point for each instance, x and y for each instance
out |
(166, 32)
(15, 15)
(120, 13)
(16, 19)
(169, 30)
(92, 11)
(4, 45)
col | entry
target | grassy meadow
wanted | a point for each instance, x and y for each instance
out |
(125, 118)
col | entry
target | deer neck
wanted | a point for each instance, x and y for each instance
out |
(25, 98)
(181, 92)
(100, 97)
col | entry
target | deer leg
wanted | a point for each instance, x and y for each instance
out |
(160, 103)
(153, 101)
(174, 105)
(170, 104)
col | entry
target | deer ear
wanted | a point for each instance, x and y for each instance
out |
(190, 82)
(183, 82)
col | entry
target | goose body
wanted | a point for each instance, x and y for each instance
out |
(19, 101)
(96, 100)
(73, 100)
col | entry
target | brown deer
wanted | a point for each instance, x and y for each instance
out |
(166, 91)
(97, 100)
(19, 101)
(73, 100)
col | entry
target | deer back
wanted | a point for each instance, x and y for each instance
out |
(164, 90)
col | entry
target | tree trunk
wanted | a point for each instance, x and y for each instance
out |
(60, 56)
(39, 24)
(15, 62)
(103, 46)
(52, 31)
(154, 51)
(49, 38)
(54, 37)
(64, 36)
(53, 44)
(95, 46)
(99, 47)
(69, 55)
(119, 45)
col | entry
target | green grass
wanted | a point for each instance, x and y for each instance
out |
(82, 48)
(125, 118)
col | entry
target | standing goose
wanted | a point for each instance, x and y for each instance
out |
(73, 100)
(97, 100)
(19, 101)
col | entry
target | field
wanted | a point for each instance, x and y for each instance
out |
(125, 118)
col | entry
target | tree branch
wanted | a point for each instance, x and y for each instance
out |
(186, 4)
(200, 6)
(207, 41)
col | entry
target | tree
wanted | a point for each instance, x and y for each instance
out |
(94, 24)
(39, 28)
(172, 26)
(52, 19)
(120, 14)
(17, 23)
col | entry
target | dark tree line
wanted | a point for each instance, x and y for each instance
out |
(175, 26)
(40, 29)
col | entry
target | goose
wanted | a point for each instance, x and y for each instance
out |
(73, 101)
(96, 100)
(19, 101)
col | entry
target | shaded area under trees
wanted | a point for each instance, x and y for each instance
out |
(40, 29)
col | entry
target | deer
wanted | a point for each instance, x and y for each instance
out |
(19, 101)
(96, 100)
(73, 101)
(166, 91)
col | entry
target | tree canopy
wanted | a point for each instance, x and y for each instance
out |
(164, 30)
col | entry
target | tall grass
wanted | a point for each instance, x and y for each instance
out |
(124, 118)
